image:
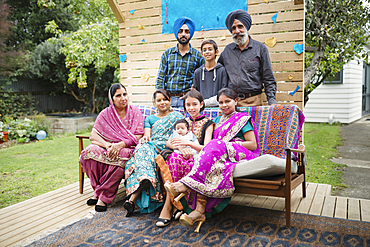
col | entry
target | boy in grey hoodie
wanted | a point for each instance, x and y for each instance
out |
(211, 76)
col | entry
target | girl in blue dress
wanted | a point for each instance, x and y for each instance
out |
(141, 170)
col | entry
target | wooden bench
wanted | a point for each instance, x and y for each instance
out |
(279, 129)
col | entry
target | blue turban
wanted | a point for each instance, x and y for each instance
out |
(181, 21)
(240, 15)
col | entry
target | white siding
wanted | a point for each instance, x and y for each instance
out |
(344, 101)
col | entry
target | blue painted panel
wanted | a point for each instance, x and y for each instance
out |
(210, 14)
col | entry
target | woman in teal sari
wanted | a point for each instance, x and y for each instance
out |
(140, 171)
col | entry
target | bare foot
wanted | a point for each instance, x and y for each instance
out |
(179, 187)
(196, 214)
(166, 213)
(101, 203)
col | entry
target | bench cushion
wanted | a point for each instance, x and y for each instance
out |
(264, 166)
(278, 125)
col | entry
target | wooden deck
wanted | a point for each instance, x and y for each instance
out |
(27, 221)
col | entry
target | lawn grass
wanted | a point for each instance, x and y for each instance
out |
(321, 141)
(32, 169)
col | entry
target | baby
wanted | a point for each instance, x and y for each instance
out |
(181, 129)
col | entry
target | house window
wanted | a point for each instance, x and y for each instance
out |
(337, 79)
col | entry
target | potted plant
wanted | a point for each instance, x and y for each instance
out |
(3, 134)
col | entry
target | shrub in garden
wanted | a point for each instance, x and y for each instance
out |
(13, 105)
(25, 130)
(1, 130)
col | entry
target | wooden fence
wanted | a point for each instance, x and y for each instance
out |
(139, 70)
(44, 100)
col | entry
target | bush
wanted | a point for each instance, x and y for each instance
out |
(25, 130)
(1, 130)
(13, 105)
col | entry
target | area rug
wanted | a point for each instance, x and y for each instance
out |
(235, 226)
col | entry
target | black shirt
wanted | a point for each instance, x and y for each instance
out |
(249, 70)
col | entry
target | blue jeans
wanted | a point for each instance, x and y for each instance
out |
(176, 102)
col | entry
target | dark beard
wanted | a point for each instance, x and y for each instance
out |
(183, 42)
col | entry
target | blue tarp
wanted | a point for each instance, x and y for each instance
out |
(210, 14)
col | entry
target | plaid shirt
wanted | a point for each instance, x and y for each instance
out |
(175, 72)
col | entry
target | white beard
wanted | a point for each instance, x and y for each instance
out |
(241, 40)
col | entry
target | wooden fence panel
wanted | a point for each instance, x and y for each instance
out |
(144, 47)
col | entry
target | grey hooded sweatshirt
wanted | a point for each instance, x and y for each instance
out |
(208, 83)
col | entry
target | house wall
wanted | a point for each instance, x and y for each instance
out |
(344, 101)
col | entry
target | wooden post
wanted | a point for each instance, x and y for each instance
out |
(116, 11)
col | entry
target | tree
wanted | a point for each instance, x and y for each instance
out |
(92, 50)
(336, 32)
(47, 65)
(29, 21)
(10, 59)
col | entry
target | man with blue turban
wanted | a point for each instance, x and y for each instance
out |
(178, 63)
(247, 63)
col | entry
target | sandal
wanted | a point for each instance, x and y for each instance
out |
(130, 207)
(173, 192)
(188, 221)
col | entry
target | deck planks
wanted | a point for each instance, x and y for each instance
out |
(22, 223)
(354, 209)
(341, 208)
(329, 206)
(45, 212)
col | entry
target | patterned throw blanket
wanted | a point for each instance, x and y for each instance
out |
(278, 126)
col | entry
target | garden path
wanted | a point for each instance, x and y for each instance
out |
(355, 153)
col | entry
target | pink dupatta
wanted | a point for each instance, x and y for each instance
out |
(113, 129)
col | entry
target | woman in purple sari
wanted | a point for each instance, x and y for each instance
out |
(235, 139)
(114, 136)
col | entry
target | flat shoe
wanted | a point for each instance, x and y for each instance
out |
(99, 208)
(162, 222)
(92, 202)
(176, 215)
(130, 207)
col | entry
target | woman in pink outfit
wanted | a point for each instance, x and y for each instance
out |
(114, 136)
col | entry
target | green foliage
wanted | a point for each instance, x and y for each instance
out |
(47, 64)
(1, 130)
(30, 20)
(14, 105)
(91, 11)
(336, 32)
(81, 50)
(10, 58)
(91, 53)
(25, 130)
(321, 141)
